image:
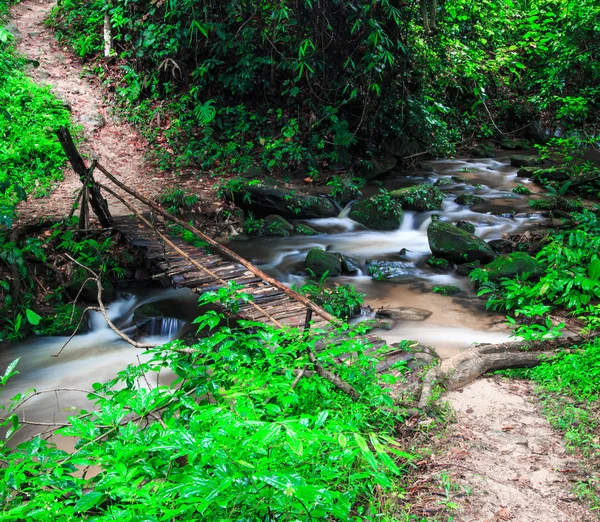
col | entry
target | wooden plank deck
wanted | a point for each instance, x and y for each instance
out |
(182, 274)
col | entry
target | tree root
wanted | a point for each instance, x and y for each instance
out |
(463, 368)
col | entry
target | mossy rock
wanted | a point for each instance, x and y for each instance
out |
(349, 266)
(527, 172)
(439, 263)
(457, 245)
(482, 150)
(145, 313)
(465, 225)
(466, 268)
(276, 225)
(460, 179)
(372, 214)
(512, 265)
(502, 246)
(318, 262)
(376, 167)
(522, 160)
(448, 290)
(468, 200)
(306, 230)
(444, 182)
(420, 197)
(513, 144)
(268, 196)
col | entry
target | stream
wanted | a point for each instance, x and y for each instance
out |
(455, 323)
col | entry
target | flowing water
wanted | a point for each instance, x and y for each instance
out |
(455, 323)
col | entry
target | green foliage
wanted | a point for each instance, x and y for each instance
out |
(178, 201)
(343, 301)
(233, 438)
(521, 189)
(31, 156)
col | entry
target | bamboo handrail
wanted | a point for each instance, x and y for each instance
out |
(220, 248)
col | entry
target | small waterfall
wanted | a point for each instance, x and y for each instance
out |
(346, 211)
(163, 327)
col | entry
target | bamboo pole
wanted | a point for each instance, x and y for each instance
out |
(224, 250)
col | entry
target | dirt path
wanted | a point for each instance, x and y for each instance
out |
(508, 458)
(118, 145)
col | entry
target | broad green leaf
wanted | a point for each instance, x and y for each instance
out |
(88, 501)
(33, 318)
(593, 269)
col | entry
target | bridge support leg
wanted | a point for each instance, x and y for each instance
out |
(97, 202)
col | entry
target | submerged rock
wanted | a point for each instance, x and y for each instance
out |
(448, 290)
(378, 213)
(318, 262)
(264, 197)
(457, 245)
(389, 269)
(469, 199)
(402, 313)
(465, 225)
(514, 264)
(420, 197)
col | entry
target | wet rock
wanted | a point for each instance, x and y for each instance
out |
(375, 168)
(268, 196)
(444, 182)
(420, 197)
(145, 314)
(89, 290)
(389, 269)
(465, 225)
(526, 172)
(92, 122)
(377, 215)
(466, 268)
(276, 225)
(402, 313)
(521, 160)
(306, 230)
(349, 265)
(512, 265)
(439, 264)
(469, 199)
(447, 290)
(502, 246)
(318, 262)
(425, 167)
(460, 179)
(457, 245)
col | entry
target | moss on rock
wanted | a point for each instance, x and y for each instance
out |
(379, 212)
(420, 197)
(318, 262)
(457, 245)
(512, 265)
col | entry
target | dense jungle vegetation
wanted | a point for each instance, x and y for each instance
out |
(326, 87)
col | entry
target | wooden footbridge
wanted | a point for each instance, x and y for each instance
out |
(200, 269)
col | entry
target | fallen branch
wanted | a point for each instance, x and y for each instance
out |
(463, 368)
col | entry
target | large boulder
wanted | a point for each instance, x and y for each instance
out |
(379, 212)
(268, 196)
(521, 160)
(457, 245)
(512, 265)
(420, 197)
(318, 262)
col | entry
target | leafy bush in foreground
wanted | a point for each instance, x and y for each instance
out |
(235, 437)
